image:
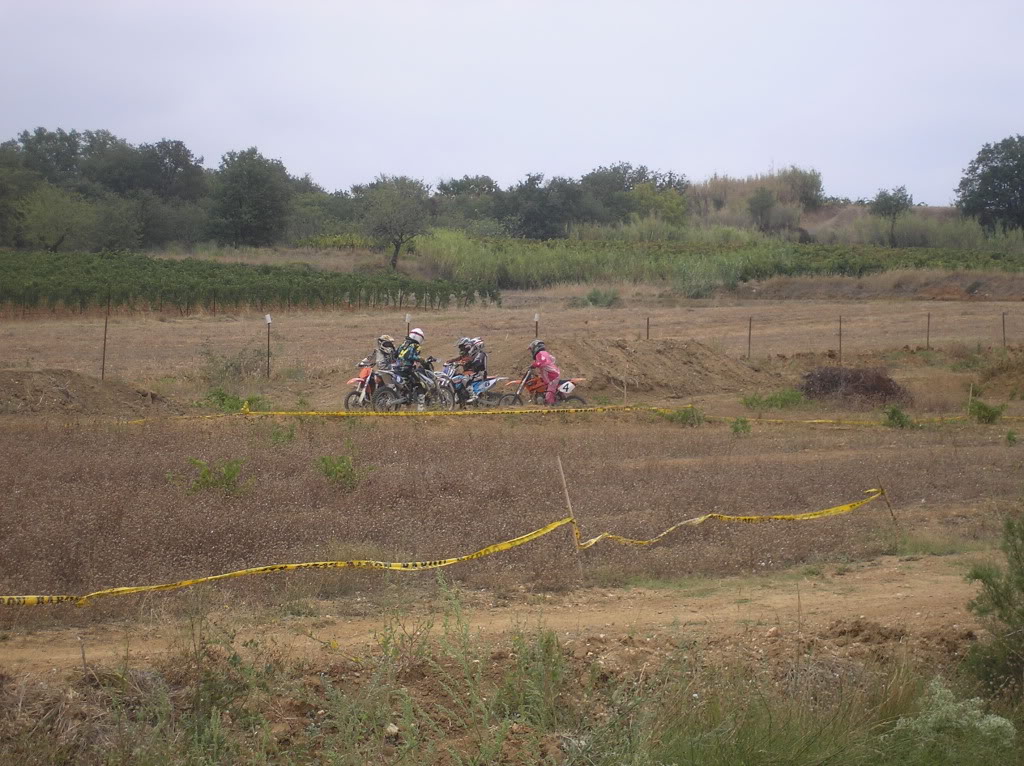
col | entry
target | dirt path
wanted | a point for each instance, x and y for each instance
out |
(918, 595)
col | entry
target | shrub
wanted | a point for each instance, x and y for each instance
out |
(688, 416)
(779, 400)
(1011, 438)
(999, 661)
(340, 470)
(862, 382)
(986, 414)
(740, 426)
(948, 731)
(897, 418)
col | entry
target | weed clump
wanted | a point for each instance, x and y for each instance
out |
(219, 476)
(740, 427)
(340, 470)
(219, 399)
(866, 383)
(1011, 438)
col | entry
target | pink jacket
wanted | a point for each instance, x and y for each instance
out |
(545, 362)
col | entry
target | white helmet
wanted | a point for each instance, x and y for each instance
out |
(416, 334)
(476, 345)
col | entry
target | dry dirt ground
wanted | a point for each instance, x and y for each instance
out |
(98, 503)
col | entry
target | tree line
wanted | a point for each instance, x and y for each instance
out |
(91, 190)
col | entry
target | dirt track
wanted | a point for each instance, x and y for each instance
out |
(922, 601)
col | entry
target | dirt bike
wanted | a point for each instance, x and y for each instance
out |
(397, 390)
(486, 396)
(366, 383)
(535, 388)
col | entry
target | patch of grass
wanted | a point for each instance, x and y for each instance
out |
(219, 399)
(779, 400)
(897, 418)
(986, 414)
(740, 427)
(282, 434)
(686, 416)
(1011, 438)
(599, 298)
(932, 544)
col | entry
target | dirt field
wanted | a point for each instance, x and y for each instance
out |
(91, 500)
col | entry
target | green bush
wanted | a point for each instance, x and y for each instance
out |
(986, 414)
(597, 297)
(1011, 438)
(897, 418)
(779, 400)
(999, 661)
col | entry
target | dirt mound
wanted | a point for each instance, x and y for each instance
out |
(861, 382)
(674, 368)
(863, 631)
(68, 392)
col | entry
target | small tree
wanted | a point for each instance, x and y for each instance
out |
(395, 209)
(992, 189)
(891, 205)
(760, 206)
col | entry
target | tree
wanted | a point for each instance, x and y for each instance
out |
(760, 206)
(394, 210)
(251, 199)
(52, 218)
(992, 188)
(170, 170)
(891, 205)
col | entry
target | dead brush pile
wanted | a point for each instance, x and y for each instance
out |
(870, 384)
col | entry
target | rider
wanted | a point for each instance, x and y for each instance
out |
(383, 356)
(462, 344)
(475, 366)
(408, 357)
(545, 365)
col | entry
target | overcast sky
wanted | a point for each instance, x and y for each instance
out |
(872, 94)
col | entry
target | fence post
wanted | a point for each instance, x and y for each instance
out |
(408, 324)
(106, 321)
(928, 334)
(1004, 329)
(750, 330)
(649, 327)
(268, 345)
(536, 325)
(840, 340)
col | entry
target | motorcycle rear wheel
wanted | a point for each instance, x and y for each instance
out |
(510, 400)
(572, 401)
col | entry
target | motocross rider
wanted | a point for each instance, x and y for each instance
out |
(545, 365)
(407, 357)
(475, 367)
(383, 356)
(462, 344)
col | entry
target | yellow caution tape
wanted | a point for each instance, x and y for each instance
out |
(413, 566)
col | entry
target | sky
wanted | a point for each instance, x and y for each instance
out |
(871, 94)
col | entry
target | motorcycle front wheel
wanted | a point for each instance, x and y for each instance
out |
(385, 400)
(352, 401)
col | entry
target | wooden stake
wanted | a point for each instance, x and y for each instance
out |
(268, 350)
(750, 330)
(649, 328)
(928, 333)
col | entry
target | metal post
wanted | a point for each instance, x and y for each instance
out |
(928, 333)
(750, 331)
(649, 327)
(268, 348)
(106, 321)
(1004, 329)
